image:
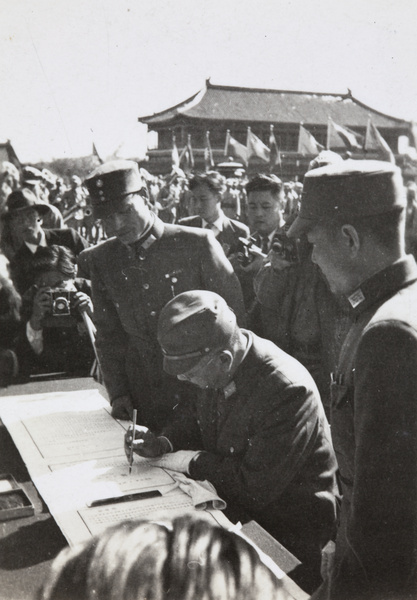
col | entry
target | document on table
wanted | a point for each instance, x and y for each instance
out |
(73, 449)
(66, 426)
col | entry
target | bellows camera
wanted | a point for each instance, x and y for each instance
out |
(61, 301)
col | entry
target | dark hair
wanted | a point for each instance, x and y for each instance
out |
(188, 559)
(53, 258)
(265, 183)
(385, 228)
(212, 179)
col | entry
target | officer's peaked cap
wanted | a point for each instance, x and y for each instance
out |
(110, 183)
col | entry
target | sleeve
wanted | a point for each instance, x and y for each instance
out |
(111, 339)
(218, 276)
(274, 455)
(382, 528)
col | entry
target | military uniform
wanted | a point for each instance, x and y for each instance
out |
(130, 285)
(374, 428)
(374, 388)
(267, 450)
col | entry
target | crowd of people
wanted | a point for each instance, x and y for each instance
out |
(264, 331)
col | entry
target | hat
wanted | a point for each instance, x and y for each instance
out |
(110, 183)
(21, 200)
(192, 325)
(325, 157)
(31, 175)
(351, 189)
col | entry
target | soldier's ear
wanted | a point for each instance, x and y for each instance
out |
(226, 360)
(351, 238)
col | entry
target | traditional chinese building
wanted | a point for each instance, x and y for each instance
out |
(218, 108)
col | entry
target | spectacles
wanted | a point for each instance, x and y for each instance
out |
(199, 367)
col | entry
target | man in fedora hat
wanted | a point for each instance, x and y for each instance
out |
(257, 429)
(24, 218)
(134, 273)
(353, 214)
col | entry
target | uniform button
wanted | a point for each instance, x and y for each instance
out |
(231, 449)
(174, 280)
(153, 314)
(146, 286)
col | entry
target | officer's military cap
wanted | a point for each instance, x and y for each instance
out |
(352, 188)
(110, 183)
(21, 200)
(192, 325)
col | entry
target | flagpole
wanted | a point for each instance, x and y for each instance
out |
(226, 145)
(247, 147)
(328, 133)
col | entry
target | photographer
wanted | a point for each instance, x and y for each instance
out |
(54, 337)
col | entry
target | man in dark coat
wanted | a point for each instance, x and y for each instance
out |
(24, 215)
(207, 189)
(353, 215)
(133, 275)
(257, 430)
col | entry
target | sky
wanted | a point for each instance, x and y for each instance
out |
(83, 71)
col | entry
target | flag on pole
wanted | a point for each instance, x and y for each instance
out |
(274, 152)
(375, 141)
(239, 149)
(208, 153)
(256, 147)
(307, 143)
(336, 133)
(175, 159)
(187, 155)
(96, 154)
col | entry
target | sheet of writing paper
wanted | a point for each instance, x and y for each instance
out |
(167, 507)
(66, 426)
(76, 485)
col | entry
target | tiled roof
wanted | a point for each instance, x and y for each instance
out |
(215, 102)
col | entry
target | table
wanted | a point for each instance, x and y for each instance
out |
(28, 545)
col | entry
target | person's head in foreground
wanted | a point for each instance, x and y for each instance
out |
(187, 559)
(118, 196)
(353, 214)
(200, 339)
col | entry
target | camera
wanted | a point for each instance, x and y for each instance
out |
(61, 302)
(286, 248)
(247, 251)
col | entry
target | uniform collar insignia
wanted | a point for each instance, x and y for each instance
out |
(229, 389)
(356, 298)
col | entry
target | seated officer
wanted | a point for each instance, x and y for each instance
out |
(144, 264)
(257, 430)
(207, 190)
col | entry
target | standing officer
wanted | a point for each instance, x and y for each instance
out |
(353, 215)
(256, 431)
(133, 275)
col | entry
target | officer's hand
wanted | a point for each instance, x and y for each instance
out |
(145, 443)
(83, 303)
(41, 306)
(176, 461)
(122, 408)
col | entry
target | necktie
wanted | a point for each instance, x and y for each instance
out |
(265, 244)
